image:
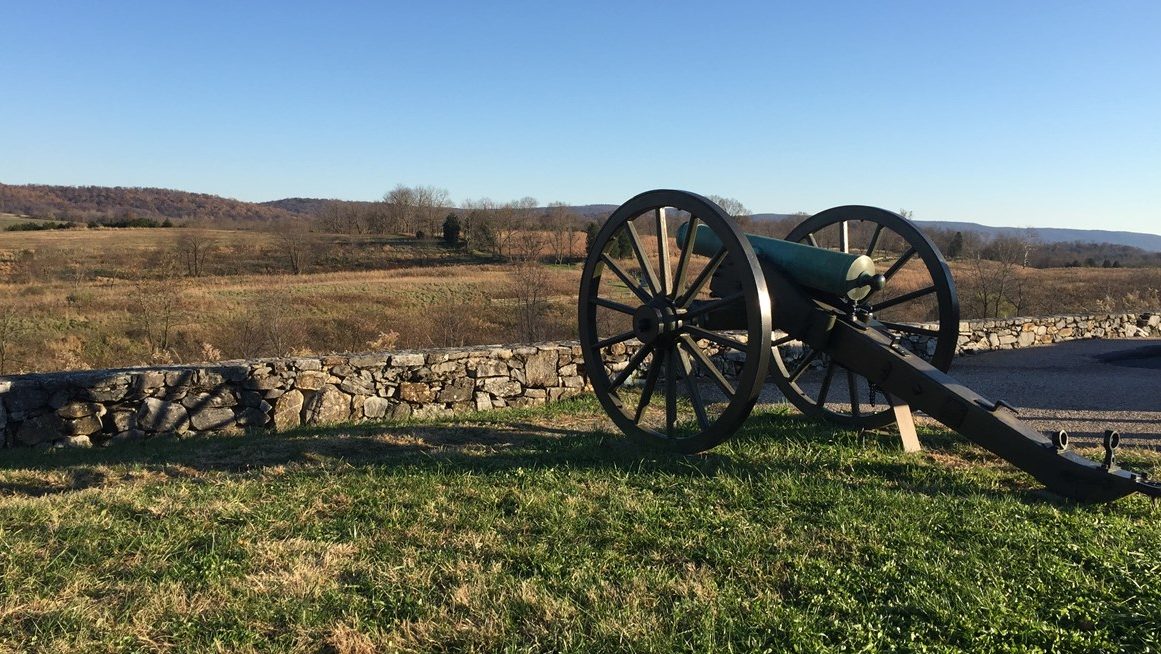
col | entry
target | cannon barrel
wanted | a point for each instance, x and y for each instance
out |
(836, 273)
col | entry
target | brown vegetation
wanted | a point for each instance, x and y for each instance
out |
(336, 282)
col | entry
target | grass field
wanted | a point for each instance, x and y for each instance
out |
(9, 219)
(98, 298)
(539, 531)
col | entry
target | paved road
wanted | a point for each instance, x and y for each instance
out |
(1083, 387)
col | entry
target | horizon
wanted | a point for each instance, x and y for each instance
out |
(997, 114)
(458, 205)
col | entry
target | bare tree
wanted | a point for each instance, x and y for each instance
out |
(431, 205)
(348, 217)
(400, 211)
(509, 219)
(410, 210)
(735, 209)
(562, 227)
(995, 288)
(295, 244)
(194, 249)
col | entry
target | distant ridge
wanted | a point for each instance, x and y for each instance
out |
(1147, 242)
(89, 203)
(1143, 241)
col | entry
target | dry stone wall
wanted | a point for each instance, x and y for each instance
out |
(82, 409)
(105, 407)
(983, 335)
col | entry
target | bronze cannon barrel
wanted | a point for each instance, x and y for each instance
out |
(837, 273)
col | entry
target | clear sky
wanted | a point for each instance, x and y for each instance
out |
(1006, 113)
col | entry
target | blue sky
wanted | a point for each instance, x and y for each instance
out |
(1007, 113)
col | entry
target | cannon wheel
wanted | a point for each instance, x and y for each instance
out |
(664, 378)
(924, 292)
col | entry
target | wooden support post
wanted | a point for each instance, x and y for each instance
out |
(906, 424)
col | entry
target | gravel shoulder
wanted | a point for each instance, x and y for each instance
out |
(1083, 387)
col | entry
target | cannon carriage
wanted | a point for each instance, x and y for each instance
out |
(684, 320)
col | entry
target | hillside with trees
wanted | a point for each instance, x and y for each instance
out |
(93, 204)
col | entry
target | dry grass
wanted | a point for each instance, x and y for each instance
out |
(114, 297)
(105, 298)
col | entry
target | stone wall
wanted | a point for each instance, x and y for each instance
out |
(82, 409)
(983, 335)
(102, 407)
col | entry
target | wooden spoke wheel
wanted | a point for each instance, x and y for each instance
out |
(918, 307)
(662, 371)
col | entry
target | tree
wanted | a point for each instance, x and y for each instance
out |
(413, 209)
(561, 225)
(295, 245)
(995, 288)
(734, 209)
(194, 248)
(955, 248)
(591, 230)
(451, 229)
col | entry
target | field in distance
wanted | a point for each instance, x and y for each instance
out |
(95, 298)
(99, 298)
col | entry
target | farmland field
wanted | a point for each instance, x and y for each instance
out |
(92, 298)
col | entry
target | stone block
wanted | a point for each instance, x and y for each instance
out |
(148, 381)
(376, 407)
(445, 368)
(310, 380)
(216, 399)
(74, 410)
(358, 385)
(501, 387)
(209, 418)
(419, 393)
(401, 411)
(83, 426)
(252, 417)
(540, 369)
(409, 360)
(328, 406)
(78, 442)
(459, 391)
(368, 360)
(179, 378)
(264, 383)
(160, 416)
(24, 400)
(288, 410)
(123, 420)
(489, 368)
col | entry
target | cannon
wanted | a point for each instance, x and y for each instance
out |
(684, 319)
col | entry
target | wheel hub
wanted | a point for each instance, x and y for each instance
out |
(653, 321)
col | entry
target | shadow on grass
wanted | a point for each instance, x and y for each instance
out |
(768, 444)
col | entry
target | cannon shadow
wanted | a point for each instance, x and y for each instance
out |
(500, 448)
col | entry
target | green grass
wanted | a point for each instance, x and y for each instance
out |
(535, 530)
